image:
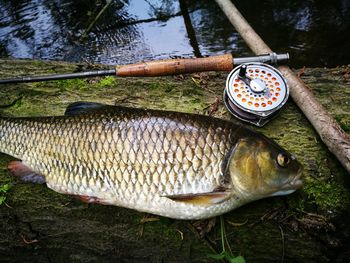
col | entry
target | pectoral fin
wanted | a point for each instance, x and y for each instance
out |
(211, 198)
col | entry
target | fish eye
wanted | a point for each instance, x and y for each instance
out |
(283, 160)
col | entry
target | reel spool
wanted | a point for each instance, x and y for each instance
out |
(255, 92)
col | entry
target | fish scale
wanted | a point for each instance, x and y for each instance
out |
(121, 157)
(128, 157)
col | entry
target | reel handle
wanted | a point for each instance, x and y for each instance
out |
(176, 66)
(190, 65)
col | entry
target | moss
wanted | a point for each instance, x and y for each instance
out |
(327, 195)
(39, 63)
(107, 82)
(4, 188)
(18, 104)
(343, 121)
(324, 182)
(192, 91)
(158, 85)
(32, 106)
(72, 84)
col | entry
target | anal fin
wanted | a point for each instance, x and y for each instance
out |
(90, 199)
(25, 173)
(210, 198)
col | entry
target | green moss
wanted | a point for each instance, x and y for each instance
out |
(39, 63)
(107, 82)
(29, 107)
(343, 121)
(72, 84)
(4, 188)
(18, 104)
(159, 85)
(194, 90)
(326, 195)
(296, 201)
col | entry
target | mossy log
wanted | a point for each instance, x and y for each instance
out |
(311, 225)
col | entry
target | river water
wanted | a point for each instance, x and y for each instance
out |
(315, 33)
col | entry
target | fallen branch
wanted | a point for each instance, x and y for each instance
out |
(84, 35)
(337, 141)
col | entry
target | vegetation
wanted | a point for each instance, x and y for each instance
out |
(226, 254)
(3, 192)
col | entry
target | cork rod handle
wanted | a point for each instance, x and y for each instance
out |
(176, 66)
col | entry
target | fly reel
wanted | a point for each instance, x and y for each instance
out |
(255, 92)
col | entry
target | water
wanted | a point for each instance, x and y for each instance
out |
(315, 33)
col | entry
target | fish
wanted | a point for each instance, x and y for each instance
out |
(172, 164)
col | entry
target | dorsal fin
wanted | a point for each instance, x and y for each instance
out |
(82, 107)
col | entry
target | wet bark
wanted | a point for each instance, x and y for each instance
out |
(39, 225)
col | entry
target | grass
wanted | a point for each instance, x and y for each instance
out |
(226, 254)
(107, 82)
(3, 192)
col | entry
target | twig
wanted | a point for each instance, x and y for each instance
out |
(144, 220)
(214, 106)
(301, 72)
(96, 18)
(313, 215)
(126, 98)
(268, 215)
(149, 219)
(346, 74)
(181, 234)
(8, 205)
(282, 237)
(28, 242)
(228, 244)
(135, 22)
(222, 231)
(237, 224)
(206, 241)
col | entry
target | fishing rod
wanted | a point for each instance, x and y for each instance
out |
(255, 92)
(162, 67)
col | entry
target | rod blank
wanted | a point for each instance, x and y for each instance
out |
(87, 74)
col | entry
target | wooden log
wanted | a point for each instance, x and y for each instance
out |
(337, 141)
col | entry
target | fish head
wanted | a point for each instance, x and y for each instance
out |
(259, 168)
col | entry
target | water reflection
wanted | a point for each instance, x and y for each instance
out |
(314, 32)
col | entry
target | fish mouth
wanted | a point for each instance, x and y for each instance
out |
(296, 182)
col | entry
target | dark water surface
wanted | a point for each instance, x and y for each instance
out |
(315, 33)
